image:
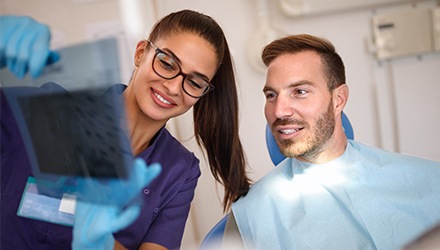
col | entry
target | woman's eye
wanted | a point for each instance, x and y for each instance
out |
(194, 84)
(167, 64)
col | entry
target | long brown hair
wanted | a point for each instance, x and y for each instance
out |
(216, 113)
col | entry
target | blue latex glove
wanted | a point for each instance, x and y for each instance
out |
(24, 46)
(95, 223)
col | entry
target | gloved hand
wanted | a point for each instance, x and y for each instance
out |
(24, 46)
(95, 223)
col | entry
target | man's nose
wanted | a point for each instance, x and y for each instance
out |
(283, 108)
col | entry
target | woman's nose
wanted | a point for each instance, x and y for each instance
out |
(174, 85)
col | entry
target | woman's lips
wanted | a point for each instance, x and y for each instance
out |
(161, 100)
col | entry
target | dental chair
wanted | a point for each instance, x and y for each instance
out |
(215, 235)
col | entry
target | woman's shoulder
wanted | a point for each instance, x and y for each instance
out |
(166, 148)
(172, 142)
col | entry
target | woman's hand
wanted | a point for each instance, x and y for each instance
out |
(24, 46)
(95, 223)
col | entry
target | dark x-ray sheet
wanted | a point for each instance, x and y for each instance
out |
(77, 133)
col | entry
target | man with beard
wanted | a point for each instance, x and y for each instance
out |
(330, 192)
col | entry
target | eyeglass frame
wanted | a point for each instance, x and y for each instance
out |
(157, 50)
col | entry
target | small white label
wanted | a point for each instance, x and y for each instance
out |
(68, 204)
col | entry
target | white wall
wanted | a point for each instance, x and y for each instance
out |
(406, 89)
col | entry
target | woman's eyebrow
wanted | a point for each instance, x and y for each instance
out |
(176, 58)
(172, 55)
(203, 76)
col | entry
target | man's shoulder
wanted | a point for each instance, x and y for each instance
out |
(385, 157)
(269, 182)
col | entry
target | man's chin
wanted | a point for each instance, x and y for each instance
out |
(293, 151)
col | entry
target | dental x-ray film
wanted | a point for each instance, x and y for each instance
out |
(75, 132)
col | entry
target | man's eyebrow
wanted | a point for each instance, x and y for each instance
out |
(265, 88)
(302, 82)
(292, 85)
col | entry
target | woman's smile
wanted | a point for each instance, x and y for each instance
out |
(161, 100)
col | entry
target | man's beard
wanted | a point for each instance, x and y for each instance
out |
(311, 145)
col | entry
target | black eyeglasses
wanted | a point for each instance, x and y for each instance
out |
(165, 66)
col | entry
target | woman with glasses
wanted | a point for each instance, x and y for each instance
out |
(185, 63)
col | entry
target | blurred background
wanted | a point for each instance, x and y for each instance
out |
(391, 50)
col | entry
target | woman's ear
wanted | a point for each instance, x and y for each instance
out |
(340, 97)
(139, 53)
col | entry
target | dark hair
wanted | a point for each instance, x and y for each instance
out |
(333, 66)
(216, 113)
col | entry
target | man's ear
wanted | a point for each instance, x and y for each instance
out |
(139, 53)
(340, 97)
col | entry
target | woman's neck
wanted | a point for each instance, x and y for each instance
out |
(141, 129)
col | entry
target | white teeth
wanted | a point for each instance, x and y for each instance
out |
(161, 98)
(288, 131)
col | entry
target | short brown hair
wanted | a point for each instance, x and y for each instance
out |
(333, 66)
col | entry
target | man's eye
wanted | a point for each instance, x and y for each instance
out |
(269, 95)
(301, 92)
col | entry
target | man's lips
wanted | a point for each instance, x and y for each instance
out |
(286, 128)
(288, 131)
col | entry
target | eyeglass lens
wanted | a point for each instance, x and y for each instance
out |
(165, 66)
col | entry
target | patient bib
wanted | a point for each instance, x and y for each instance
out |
(365, 199)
